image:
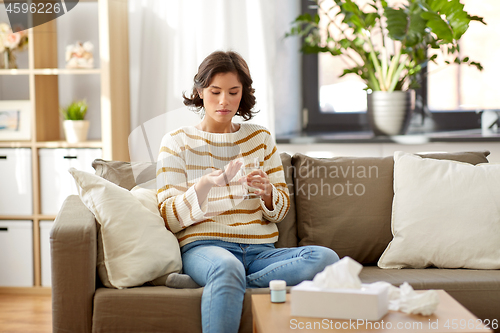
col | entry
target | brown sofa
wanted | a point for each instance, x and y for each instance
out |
(352, 223)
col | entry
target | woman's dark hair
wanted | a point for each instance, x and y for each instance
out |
(223, 62)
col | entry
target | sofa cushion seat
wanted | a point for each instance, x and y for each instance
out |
(156, 309)
(475, 289)
(435, 278)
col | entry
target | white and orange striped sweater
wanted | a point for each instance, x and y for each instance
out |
(187, 154)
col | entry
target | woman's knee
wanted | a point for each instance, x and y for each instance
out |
(228, 267)
(324, 255)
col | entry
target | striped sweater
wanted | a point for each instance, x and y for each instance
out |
(187, 154)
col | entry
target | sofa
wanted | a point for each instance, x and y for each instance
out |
(354, 224)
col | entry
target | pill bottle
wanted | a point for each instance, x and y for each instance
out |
(278, 291)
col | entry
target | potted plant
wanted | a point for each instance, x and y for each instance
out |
(75, 126)
(388, 47)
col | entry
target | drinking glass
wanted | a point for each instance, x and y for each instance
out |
(247, 169)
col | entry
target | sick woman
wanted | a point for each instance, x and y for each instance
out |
(227, 239)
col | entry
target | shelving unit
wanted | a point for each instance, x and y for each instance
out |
(44, 73)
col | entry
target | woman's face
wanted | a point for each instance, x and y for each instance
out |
(221, 99)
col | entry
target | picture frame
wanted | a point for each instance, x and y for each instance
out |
(15, 120)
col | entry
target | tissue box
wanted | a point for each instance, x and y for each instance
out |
(370, 302)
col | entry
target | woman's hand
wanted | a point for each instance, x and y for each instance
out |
(222, 178)
(259, 180)
(216, 178)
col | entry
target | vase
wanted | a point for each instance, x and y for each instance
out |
(389, 113)
(76, 130)
(8, 60)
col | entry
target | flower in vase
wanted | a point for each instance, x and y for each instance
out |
(12, 40)
(4, 27)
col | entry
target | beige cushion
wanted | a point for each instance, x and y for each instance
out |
(125, 174)
(134, 246)
(444, 214)
(350, 212)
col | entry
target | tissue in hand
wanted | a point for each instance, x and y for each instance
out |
(337, 293)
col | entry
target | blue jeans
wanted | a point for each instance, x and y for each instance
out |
(227, 269)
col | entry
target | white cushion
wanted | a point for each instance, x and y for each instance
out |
(444, 214)
(136, 246)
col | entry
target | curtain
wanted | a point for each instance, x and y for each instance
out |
(170, 38)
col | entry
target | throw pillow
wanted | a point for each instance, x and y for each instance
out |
(134, 246)
(445, 214)
(125, 174)
(345, 203)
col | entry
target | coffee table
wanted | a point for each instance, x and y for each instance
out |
(450, 316)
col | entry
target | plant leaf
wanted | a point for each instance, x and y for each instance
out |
(397, 21)
(477, 18)
(371, 19)
(306, 17)
(438, 26)
(75, 111)
(396, 77)
(457, 17)
(477, 65)
(436, 5)
(353, 70)
(416, 28)
(316, 18)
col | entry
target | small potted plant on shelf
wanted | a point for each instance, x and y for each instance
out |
(74, 123)
(388, 47)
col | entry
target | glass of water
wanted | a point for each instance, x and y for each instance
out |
(247, 169)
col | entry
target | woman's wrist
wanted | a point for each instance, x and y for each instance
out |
(268, 200)
(203, 184)
(202, 187)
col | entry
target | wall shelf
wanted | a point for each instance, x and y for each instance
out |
(50, 71)
(15, 71)
(16, 144)
(65, 144)
(65, 71)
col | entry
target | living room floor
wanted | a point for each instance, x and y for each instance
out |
(25, 313)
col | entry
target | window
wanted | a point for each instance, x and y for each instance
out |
(463, 87)
(451, 94)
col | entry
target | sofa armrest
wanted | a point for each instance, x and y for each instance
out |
(73, 253)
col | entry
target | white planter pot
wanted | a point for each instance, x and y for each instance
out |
(76, 130)
(389, 113)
